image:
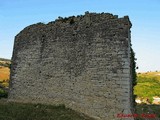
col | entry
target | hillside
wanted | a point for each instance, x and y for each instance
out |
(4, 62)
(21, 111)
(148, 85)
(4, 71)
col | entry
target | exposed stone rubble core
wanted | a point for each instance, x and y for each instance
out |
(82, 62)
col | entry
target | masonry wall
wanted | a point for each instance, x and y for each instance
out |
(82, 62)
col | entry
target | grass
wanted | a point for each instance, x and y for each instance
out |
(148, 85)
(3, 93)
(148, 109)
(21, 111)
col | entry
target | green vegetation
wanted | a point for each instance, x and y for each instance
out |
(133, 64)
(134, 75)
(148, 85)
(5, 64)
(3, 93)
(148, 109)
(65, 19)
(4, 76)
(3, 59)
(19, 111)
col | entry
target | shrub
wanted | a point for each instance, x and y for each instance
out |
(3, 93)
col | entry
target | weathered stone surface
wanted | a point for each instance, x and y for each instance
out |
(82, 62)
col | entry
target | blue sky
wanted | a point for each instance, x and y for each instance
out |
(144, 15)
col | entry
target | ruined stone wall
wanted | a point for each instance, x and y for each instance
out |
(82, 62)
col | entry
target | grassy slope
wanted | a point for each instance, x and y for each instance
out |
(19, 111)
(4, 71)
(148, 85)
(148, 110)
(4, 76)
(4, 59)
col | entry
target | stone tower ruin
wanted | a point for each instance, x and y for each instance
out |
(82, 62)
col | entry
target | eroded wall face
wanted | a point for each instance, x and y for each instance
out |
(83, 62)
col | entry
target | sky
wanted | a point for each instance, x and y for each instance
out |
(144, 15)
